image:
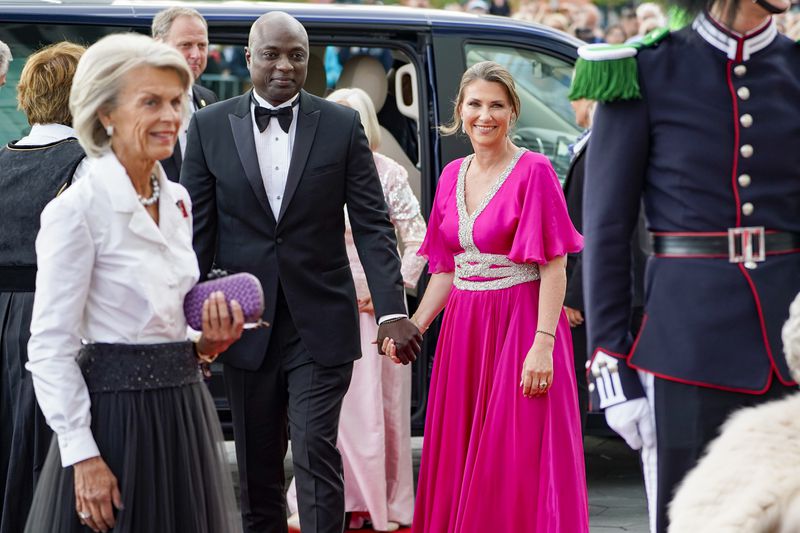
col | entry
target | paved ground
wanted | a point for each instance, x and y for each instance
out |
(616, 494)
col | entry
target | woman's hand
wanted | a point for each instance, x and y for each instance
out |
(537, 369)
(574, 316)
(390, 349)
(365, 305)
(220, 329)
(95, 491)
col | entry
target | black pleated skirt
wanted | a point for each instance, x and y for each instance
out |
(24, 435)
(156, 427)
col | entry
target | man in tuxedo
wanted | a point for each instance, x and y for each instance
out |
(269, 174)
(186, 30)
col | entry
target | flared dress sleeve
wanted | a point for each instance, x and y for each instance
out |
(434, 248)
(545, 230)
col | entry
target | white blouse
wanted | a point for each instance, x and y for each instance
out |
(106, 273)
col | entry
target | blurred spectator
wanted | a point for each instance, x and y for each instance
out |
(477, 7)
(233, 62)
(500, 7)
(5, 59)
(586, 26)
(615, 34)
(556, 21)
(628, 21)
(415, 3)
(650, 16)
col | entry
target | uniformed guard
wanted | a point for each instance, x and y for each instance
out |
(703, 125)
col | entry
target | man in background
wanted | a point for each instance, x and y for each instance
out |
(186, 30)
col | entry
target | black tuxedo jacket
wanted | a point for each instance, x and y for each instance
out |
(172, 165)
(304, 249)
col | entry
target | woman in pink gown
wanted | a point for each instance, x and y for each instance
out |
(375, 424)
(502, 449)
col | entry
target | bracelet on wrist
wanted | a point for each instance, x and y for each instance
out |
(414, 320)
(543, 332)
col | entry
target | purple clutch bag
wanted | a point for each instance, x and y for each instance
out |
(243, 287)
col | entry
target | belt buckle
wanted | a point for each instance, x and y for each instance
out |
(746, 245)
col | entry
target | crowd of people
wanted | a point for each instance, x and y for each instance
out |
(134, 183)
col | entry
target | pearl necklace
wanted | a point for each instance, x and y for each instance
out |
(147, 202)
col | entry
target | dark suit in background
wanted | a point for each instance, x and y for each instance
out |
(573, 191)
(298, 369)
(201, 97)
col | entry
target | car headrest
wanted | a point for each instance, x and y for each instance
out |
(316, 83)
(367, 73)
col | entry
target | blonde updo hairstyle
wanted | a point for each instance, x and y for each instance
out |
(486, 71)
(100, 76)
(359, 100)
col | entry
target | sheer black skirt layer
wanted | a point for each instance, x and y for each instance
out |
(24, 435)
(163, 443)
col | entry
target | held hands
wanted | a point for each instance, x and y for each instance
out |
(537, 369)
(400, 340)
(220, 329)
(96, 490)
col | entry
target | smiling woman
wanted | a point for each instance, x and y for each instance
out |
(138, 436)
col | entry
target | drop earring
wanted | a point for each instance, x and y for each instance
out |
(110, 130)
(463, 129)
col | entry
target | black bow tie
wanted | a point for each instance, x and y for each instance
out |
(284, 115)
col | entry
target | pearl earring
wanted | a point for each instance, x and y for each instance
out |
(110, 130)
(463, 129)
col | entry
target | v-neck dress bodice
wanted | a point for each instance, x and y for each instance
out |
(494, 460)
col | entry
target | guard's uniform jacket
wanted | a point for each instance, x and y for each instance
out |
(712, 145)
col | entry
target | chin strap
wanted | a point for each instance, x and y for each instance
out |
(769, 7)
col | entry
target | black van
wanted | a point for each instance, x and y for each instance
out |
(423, 53)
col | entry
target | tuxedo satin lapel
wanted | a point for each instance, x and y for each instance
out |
(307, 120)
(242, 129)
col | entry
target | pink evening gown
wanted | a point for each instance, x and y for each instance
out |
(492, 459)
(375, 424)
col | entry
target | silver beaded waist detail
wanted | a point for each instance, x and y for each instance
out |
(500, 271)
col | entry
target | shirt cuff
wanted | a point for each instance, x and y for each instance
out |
(386, 318)
(76, 446)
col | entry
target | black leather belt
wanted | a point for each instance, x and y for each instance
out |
(738, 245)
(17, 278)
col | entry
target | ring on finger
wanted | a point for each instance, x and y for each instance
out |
(542, 384)
(84, 516)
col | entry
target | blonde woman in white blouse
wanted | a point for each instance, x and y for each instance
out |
(375, 424)
(136, 430)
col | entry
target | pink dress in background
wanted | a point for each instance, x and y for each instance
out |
(492, 459)
(375, 424)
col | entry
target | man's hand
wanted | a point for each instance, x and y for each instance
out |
(632, 421)
(574, 316)
(407, 339)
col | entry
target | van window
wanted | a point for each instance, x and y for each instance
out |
(547, 122)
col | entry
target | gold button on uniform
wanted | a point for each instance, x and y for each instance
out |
(746, 150)
(740, 70)
(744, 180)
(743, 92)
(747, 209)
(746, 120)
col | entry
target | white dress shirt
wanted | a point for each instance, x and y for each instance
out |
(41, 134)
(274, 149)
(106, 273)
